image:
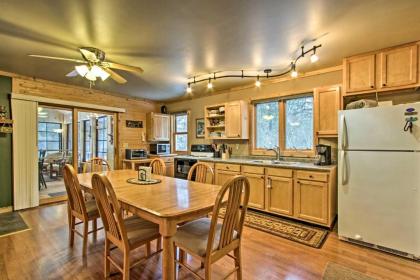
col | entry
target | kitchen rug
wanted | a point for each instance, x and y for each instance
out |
(11, 223)
(335, 271)
(295, 231)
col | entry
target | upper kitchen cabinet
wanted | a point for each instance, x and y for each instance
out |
(383, 70)
(326, 105)
(158, 127)
(359, 73)
(399, 67)
(227, 120)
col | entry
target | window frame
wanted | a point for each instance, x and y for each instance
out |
(46, 141)
(282, 130)
(175, 133)
(103, 152)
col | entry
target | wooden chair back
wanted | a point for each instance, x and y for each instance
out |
(110, 210)
(237, 191)
(74, 192)
(96, 165)
(158, 166)
(201, 170)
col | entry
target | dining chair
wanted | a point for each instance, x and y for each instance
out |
(208, 239)
(96, 164)
(199, 173)
(79, 208)
(158, 166)
(126, 234)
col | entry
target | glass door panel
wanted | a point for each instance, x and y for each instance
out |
(55, 132)
(95, 137)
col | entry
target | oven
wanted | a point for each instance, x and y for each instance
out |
(183, 166)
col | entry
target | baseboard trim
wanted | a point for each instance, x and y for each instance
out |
(6, 209)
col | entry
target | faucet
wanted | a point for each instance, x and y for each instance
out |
(276, 149)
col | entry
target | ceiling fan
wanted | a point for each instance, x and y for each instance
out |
(94, 66)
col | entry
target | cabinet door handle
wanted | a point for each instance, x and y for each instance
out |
(262, 177)
(310, 176)
(384, 85)
(269, 183)
(372, 86)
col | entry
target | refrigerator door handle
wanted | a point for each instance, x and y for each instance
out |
(343, 168)
(343, 132)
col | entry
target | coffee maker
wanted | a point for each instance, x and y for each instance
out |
(323, 155)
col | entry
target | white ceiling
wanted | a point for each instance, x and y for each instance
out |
(172, 40)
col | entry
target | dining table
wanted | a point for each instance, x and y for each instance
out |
(168, 203)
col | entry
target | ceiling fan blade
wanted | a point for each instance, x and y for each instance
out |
(124, 67)
(116, 77)
(72, 74)
(57, 58)
(91, 56)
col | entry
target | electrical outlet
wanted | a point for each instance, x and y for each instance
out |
(125, 145)
(237, 147)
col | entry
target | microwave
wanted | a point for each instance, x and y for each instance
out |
(135, 153)
(160, 149)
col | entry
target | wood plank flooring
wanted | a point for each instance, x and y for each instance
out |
(43, 253)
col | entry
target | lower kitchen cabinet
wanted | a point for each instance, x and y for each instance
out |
(280, 195)
(257, 190)
(311, 201)
(222, 176)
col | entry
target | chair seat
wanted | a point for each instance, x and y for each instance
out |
(92, 209)
(193, 236)
(140, 230)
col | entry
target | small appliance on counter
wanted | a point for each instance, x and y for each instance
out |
(323, 155)
(160, 149)
(135, 153)
(183, 165)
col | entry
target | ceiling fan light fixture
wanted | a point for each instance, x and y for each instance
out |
(82, 70)
(99, 72)
(90, 76)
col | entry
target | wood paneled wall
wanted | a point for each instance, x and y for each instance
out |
(136, 109)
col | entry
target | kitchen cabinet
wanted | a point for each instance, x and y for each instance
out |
(256, 192)
(326, 106)
(224, 172)
(383, 70)
(280, 195)
(359, 73)
(227, 120)
(158, 127)
(399, 67)
(311, 201)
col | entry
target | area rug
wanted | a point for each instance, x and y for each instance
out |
(11, 223)
(56, 194)
(335, 271)
(301, 233)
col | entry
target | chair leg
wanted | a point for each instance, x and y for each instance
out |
(126, 265)
(148, 249)
(181, 255)
(207, 269)
(72, 222)
(95, 228)
(159, 244)
(238, 263)
(85, 236)
(107, 270)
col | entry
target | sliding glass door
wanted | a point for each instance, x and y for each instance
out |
(96, 137)
(55, 150)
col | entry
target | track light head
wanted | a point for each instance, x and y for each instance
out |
(189, 89)
(209, 85)
(293, 72)
(314, 57)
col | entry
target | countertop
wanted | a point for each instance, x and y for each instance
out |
(265, 162)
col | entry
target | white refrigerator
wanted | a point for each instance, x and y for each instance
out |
(379, 178)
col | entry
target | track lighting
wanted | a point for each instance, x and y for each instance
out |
(293, 72)
(257, 82)
(314, 57)
(268, 73)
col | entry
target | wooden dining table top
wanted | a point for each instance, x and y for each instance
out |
(171, 197)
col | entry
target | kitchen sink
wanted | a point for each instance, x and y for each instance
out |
(279, 162)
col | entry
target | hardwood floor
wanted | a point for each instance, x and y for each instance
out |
(43, 253)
